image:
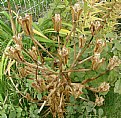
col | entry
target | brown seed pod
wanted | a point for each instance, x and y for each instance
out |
(57, 22)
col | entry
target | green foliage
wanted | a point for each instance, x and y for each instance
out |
(22, 100)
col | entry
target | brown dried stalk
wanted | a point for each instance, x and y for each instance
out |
(11, 19)
(94, 78)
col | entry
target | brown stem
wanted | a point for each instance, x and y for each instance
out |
(78, 70)
(92, 89)
(69, 35)
(34, 40)
(94, 78)
(11, 18)
(88, 58)
(58, 40)
(80, 53)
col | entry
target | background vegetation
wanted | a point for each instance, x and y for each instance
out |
(13, 104)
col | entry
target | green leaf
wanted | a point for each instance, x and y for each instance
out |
(12, 114)
(19, 109)
(39, 33)
(62, 31)
(4, 116)
(117, 88)
(1, 99)
(88, 108)
(61, 6)
(5, 14)
(117, 45)
(100, 112)
(72, 99)
(44, 39)
(5, 27)
(39, 96)
(70, 109)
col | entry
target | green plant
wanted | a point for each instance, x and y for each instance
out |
(70, 71)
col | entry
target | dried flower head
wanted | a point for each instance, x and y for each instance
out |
(114, 62)
(99, 46)
(76, 12)
(57, 22)
(99, 101)
(96, 61)
(104, 87)
(26, 24)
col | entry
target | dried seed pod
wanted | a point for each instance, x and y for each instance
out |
(35, 86)
(76, 12)
(95, 26)
(18, 40)
(114, 62)
(22, 72)
(28, 97)
(99, 46)
(104, 87)
(42, 84)
(65, 51)
(57, 22)
(26, 24)
(30, 70)
(33, 53)
(96, 61)
(99, 101)
(82, 41)
(77, 89)
(14, 53)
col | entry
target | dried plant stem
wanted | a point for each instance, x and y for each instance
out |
(78, 70)
(74, 45)
(88, 58)
(80, 53)
(42, 106)
(16, 87)
(69, 35)
(40, 68)
(5, 99)
(92, 89)
(34, 40)
(58, 40)
(11, 18)
(94, 78)
(47, 99)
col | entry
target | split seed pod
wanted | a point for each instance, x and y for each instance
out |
(57, 22)
(99, 101)
(33, 53)
(76, 12)
(104, 87)
(18, 40)
(114, 62)
(95, 26)
(64, 54)
(96, 61)
(26, 24)
(82, 41)
(99, 46)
